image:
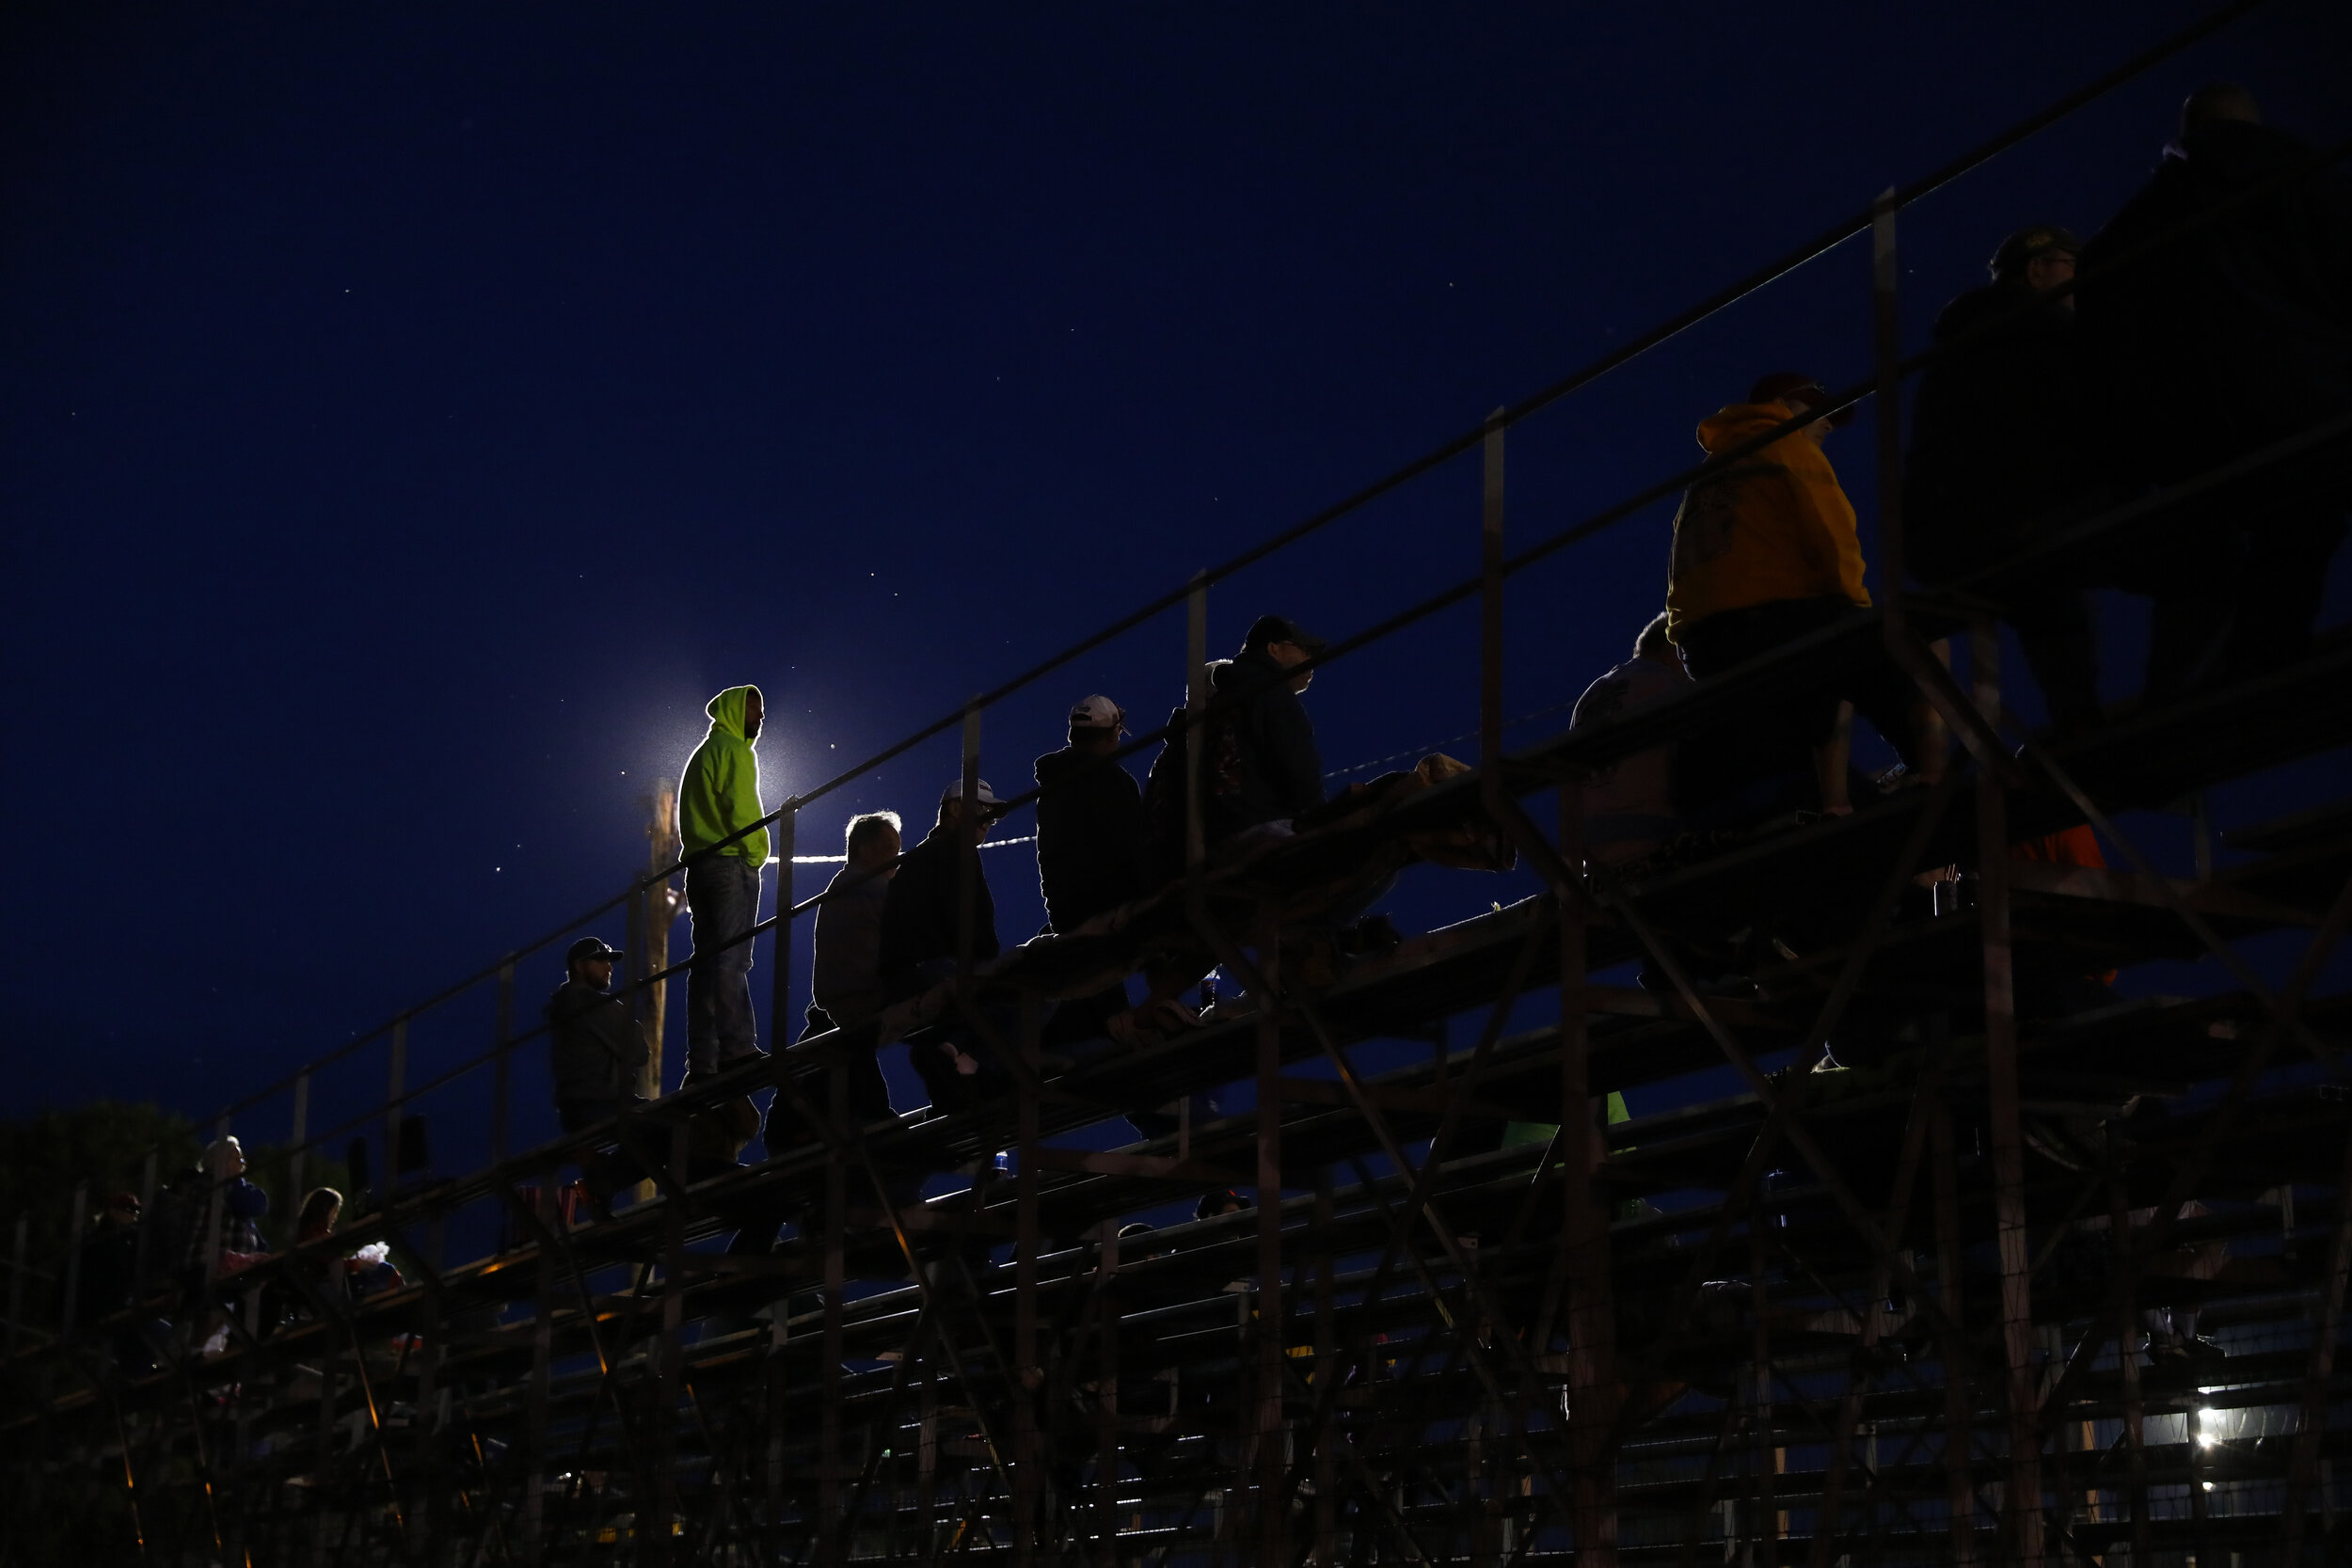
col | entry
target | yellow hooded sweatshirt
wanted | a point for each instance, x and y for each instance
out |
(1773, 525)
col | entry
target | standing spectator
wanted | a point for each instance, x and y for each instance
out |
(847, 989)
(2000, 458)
(2216, 320)
(595, 1049)
(1090, 846)
(718, 798)
(1630, 805)
(242, 1207)
(1089, 820)
(1764, 554)
(920, 924)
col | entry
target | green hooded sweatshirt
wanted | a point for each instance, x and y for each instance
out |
(721, 790)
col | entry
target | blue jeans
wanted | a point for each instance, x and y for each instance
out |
(723, 893)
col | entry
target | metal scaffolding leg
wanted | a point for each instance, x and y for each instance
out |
(1022, 1384)
(1958, 1442)
(1272, 1534)
(1596, 1395)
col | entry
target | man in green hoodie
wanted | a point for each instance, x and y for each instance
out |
(717, 800)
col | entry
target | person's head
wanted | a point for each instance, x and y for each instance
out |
(1287, 643)
(122, 1212)
(2039, 258)
(1655, 645)
(1097, 725)
(872, 841)
(741, 708)
(1798, 392)
(590, 961)
(2218, 103)
(987, 809)
(320, 1208)
(224, 1158)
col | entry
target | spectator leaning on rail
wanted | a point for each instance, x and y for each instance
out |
(1630, 805)
(2217, 321)
(1764, 554)
(1999, 458)
(719, 797)
(846, 986)
(1089, 846)
(595, 1049)
(921, 921)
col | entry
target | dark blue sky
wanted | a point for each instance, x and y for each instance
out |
(411, 415)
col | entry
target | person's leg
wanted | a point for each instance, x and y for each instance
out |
(2062, 647)
(1883, 693)
(705, 900)
(723, 893)
(2279, 587)
(738, 1026)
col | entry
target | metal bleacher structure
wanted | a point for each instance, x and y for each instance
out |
(1866, 1315)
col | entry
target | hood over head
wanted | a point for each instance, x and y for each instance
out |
(1730, 426)
(726, 710)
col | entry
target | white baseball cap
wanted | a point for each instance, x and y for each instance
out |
(1097, 712)
(954, 791)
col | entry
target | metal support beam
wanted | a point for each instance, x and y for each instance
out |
(1273, 1533)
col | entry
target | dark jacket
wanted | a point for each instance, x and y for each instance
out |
(596, 1049)
(109, 1259)
(918, 920)
(846, 979)
(1089, 837)
(2206, 348)
(1258, 760)
(1998, 450)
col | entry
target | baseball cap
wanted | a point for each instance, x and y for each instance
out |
(1795, 386)
(1281, 629)
(2043, 238)
(589, 947)
(980, 791)
(1097, 712)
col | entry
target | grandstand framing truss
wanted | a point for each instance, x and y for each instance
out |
(1876, 1318)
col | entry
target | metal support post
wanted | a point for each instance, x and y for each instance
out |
(1764, 1529)
(534, 1541)
(1490, 608)
(780, 998)
(1327, 1376)
(1886, 335)
(1106, 1397)
(669, 1367)
(1273, 1535)
(141, 1258)
(2318, 1375)
(1595, 1397)
(836, 1547)
(2126, 1262)
(1959, 1471)
(2022, 1498)
(1196, 701)
(214, 1190)
(395, 1093)
(1022, 1386)
(502, 1069)
(967, 843)
(67, 1299)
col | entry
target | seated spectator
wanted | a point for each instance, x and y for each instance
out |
(109, 1263)
(2000, 459)
(1630, 805)
(1090, 846)
(359, 1274)
(1260, 766)
(2217, 322)
(1764, 554)
(921, 924)
(846, 988)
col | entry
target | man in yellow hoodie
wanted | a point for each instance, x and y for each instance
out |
(717, 800)
(1765, 553)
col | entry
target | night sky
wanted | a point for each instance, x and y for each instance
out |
(411, 415)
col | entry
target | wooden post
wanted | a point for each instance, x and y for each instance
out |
(1886, 321)
(780, 995)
